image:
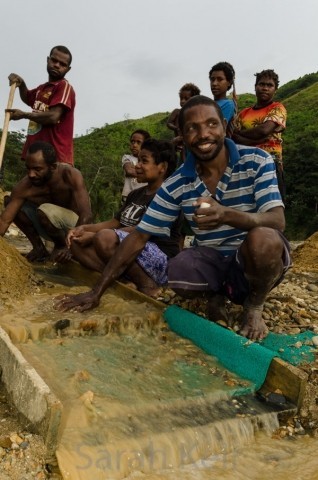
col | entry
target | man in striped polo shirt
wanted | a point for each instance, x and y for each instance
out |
(230, 196)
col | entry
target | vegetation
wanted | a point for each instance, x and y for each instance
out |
(301, 160)
(294, 86)
(245, 100)
(12, 166)
(98, 155)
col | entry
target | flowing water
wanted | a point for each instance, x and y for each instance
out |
(141, 403)
(262, 458)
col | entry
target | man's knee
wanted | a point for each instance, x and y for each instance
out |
(44, 221)
(262, 248)
(262, 241)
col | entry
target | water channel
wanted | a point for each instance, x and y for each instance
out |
(140, 402)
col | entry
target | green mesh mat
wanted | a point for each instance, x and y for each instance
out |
(247, 359)
(285, 347)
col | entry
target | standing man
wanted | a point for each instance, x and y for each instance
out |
(239, 250)
(262, 124)
(52, 103)
(50, 200)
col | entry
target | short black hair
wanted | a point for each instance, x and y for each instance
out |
(268, 74)
(228, 70)
(63, 49)
(162, 152)
(142, 132)
(47, 149)
(190, 87)
(198, 100)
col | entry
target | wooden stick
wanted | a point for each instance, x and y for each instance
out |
(6, 122)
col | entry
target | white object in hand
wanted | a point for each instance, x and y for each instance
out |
(203, 205)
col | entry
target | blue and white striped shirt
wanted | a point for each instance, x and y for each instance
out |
(249, 184)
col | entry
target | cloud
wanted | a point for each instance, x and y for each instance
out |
(132, 57)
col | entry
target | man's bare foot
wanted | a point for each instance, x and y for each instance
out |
(37, 255)
(253, 325)
(216, 309)
(61, 255)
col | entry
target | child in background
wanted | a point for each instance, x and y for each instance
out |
(222, 76)
(186, 91)
(129, 162)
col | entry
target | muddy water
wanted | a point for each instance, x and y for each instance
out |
(263, 459)
(141, 403)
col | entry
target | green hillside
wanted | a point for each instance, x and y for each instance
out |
(98, 155)
(301, 161)
(245, 100)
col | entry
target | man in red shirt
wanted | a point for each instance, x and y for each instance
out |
(52, 103)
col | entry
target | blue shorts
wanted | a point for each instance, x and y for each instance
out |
(151, 259)
(207, 270)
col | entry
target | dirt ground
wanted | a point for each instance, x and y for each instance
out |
(22, 453)
(291, 308)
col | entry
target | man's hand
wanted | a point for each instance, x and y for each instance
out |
(79, 303)
(80, 236)
(15, 114)
(208, 218)
(61, 255)
(14, 78)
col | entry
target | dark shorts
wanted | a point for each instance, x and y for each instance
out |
(205, 269)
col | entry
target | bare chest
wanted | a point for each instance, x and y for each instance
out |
(56, 195)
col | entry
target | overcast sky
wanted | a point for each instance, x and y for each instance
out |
(130, 57)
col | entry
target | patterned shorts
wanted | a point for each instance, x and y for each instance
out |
(152, 260)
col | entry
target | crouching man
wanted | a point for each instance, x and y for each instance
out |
(51, 199)
(239, 250)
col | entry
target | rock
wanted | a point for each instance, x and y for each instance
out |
(294, 331)
(312, 287)
(5, 441)
(88, 325)
(15, 438)
(276, 398)
(24, 445)
(62, 324)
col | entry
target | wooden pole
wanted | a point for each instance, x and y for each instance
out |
(6, 122)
